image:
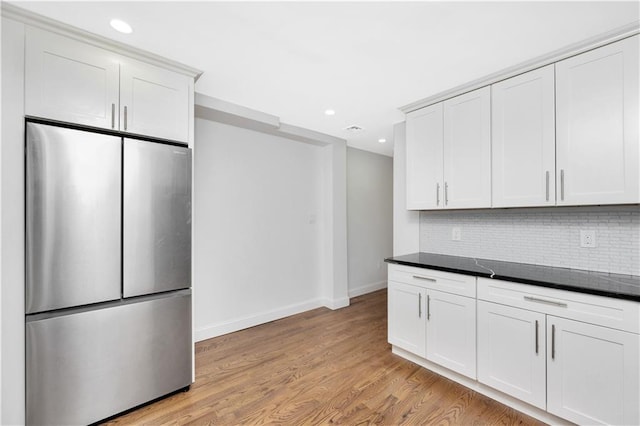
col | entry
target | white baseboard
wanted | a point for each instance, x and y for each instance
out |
(236, 324)
(473, 384)
(367, 288)
(334, 304)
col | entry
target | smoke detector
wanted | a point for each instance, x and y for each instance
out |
(354, 128)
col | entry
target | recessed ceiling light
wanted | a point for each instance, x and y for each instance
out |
(329, 112)
(121, 26)
(382, 140)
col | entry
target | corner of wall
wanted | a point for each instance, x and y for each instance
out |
(335, 284)
(406, 223)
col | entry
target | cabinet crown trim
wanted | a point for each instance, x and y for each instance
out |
(591, 43)
(30, 18)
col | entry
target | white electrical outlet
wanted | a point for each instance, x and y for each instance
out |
(456, 234)
(588, 238)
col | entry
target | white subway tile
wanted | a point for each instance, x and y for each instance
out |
(546, 236)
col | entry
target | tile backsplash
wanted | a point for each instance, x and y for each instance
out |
(543, 236)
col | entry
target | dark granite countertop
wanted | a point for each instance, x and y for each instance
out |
(601, 283)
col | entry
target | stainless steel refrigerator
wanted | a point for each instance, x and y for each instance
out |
(108, 275)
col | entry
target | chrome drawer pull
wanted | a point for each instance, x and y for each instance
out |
(536, 336)
(446, 193)
(419, 305)
(418, 277)
(547, 191)
(548, 302)
(553, 341)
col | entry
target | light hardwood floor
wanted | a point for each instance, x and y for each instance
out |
(319, 367)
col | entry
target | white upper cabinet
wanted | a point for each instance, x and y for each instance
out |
(76, 82)
(467, 150)
(563, 134)
(523, 140)
(154, 101)
(424, 158)
(449, 153)
(71, 81)
(597, 126)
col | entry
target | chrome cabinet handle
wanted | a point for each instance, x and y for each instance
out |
(547, 177)
(562, 184)
(419, 305)
(446, 193)
(125, 118)
(113, 116)
(428, 307)
(418, 277)
(553, 341)
(437, 193)
(545, 301)
(536, 337)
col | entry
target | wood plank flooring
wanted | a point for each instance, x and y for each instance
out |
(319, 367)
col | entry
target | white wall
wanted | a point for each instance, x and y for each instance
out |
(334, 271)
(369, 219)
(544, 236)
(258, 224)
(406, 223)
(12, 225)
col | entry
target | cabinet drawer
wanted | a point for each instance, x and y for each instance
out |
(464, 285)
(599, 310)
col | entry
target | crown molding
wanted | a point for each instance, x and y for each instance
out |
(540, 61)
(16, 13)
(214, 109)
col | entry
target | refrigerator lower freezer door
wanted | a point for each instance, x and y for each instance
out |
(156, 218)
(88, 366)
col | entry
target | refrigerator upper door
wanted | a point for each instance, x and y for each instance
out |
(73, 193)
(157, 218)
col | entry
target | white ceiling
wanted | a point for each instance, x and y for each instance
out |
(362, 59)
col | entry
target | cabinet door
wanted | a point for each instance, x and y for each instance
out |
(511, 352)
(451, 332)
(467, 150)
(597, 126)
(523, 140)
(155, 102)
(592, 373)
(424, 158)
(70, 81)
(406, 309)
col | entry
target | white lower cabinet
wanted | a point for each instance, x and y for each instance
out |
(406, 304)
(558, 355)
(437, 325)
(451, 331)
(574, 355)
(511, 351)
(592, 373)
